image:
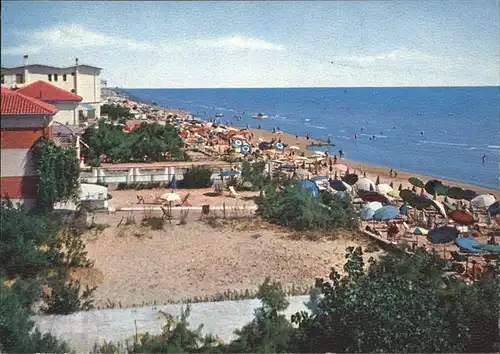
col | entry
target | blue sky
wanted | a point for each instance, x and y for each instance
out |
(262, 44)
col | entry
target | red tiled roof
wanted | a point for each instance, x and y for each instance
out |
(48, 92)
(15, 103)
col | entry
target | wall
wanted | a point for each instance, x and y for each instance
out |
(67, 114)
(83, 329)
(89, 84)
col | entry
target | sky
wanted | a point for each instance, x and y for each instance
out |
(261, 44)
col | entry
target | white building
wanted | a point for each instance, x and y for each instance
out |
(82, 80)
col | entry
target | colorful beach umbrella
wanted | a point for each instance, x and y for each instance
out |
(443, 234)
(394, 193)
(461, 217)
(309, 186)
(488, 248)
(455, 193)
(469, 195)
(416, 182)
(406, 194)
(368, 196)
(387, 212)
(419, 202)
(468, 244)
(374, 205)
(420, 231)
(339, 185)
(365, 184)
(435, 187)
(350, 179)
(494, 209)
(366, 213)
(384, 188)
(483, 201)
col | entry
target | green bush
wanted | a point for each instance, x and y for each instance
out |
(254, 173)
(302, 211)
(197, 177)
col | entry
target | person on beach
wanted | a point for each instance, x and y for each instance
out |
(329, 140)
(274, 130)
(341, 153)
(395, 174)
(335, 159)
(296, 136)
(308, 137)
(390, 172)
(260, 127)
(483, 159)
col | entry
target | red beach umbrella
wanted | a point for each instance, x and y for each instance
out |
(461, 217)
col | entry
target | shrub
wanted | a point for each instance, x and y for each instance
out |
(254, 174)
(302, 211)
(197, 177)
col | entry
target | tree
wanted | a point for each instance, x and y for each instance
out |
(401, 304)
(18, 333)
(300, 210)
(115, 111)
(254, 173)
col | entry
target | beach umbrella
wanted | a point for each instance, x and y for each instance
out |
(387, 212)
(439, 207)
(366, 213)
(279, 146)
(461, 217)
(368, 196)
(365, 184)
(171, 197)
(229, 173)
(420, 231)
(469, 195)
(488, 248)
(384, 188)
(374, 205)
(455, 193)
(432, 186)
(494, 209)
(309, 186)
(246, 149)
(406, 194)
(483, 201)
(419, 202)
(416, 182)
(468, 244)
(393, 193)
(339, 185)
(350, 179)
(442, 235)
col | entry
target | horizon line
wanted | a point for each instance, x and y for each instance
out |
(297, 87)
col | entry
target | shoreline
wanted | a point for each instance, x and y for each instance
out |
(372, 170)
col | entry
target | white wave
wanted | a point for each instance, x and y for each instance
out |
(494, 146)
(376, 135)
(342, 130)
(307, 119)
(317, 127)
(441, 143)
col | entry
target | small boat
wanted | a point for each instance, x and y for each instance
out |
(259, 116)
(219, 115)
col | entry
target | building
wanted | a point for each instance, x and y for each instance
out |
(23, 121)
(67, 103)
(82, 80)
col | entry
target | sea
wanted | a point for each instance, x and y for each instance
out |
(436, 131)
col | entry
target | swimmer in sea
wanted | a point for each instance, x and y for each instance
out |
(374, 137)
(421, 132)
(362, 128)
(483, 159)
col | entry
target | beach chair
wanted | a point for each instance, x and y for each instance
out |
(140, 199)
(184, 201)
(166, 213)
(234, 194)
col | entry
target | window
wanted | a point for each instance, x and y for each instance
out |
(64, 77)
(3, 79)
(19, 79)
(55, 77)
(50, 77)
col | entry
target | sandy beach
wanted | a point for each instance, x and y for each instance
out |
(372, 171)
(135, 265)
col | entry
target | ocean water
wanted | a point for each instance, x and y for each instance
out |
(437, 131)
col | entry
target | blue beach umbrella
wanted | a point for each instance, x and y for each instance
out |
(229, 173)
(494, 209)
(468, 244)
(387, 212)
(366, 213)
(488, 248)
(308, 185)
(443, 234)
